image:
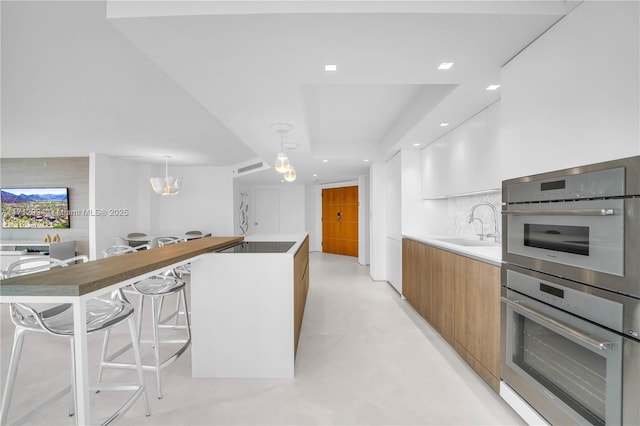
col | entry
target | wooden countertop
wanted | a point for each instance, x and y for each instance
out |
(80, 279)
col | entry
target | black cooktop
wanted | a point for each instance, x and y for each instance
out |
(260, 247)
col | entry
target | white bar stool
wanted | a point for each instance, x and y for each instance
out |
(156, 288)
(102, 314)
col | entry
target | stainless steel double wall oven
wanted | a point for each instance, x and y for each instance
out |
(571, 292)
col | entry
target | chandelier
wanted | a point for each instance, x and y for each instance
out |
(167, 185)
(283, 162)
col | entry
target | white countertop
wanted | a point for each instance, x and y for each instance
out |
(491, 254)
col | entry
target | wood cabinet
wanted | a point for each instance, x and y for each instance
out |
(460, 298)
(477, 317)
(427, 283)
(300, 288)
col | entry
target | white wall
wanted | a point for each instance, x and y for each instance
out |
(572, 97)
(113, 186)
(291, 204)
(204, 203)
(313, 216)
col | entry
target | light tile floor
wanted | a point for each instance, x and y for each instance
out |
(365, 357)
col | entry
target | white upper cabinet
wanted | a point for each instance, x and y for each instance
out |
(464, 160)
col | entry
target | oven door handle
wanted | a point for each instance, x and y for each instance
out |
(562, 212)
(597, 344)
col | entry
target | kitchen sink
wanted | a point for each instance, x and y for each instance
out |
(467, 242)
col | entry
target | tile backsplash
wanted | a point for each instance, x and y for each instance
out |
(458, 210)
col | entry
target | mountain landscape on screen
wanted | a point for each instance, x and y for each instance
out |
(35, 208)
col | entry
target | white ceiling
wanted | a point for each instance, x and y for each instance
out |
(203, 81)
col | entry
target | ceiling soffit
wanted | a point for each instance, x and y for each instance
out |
(356, 120)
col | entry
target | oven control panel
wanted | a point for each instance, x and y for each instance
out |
(601, 183)
(603, 311)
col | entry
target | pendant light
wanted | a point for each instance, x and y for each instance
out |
(167, 185)
(290, 174)
(282, 164)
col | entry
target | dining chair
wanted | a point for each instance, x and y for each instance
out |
(136, 234)
(136, 239)
(193, 233)
(103, 314)
(156, 288)
(122, 249)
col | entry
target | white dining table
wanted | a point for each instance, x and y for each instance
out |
(78, 283)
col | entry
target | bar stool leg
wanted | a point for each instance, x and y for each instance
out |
(103, 356)
(155, 313)
(16, 351)
(183, 293)
(139, 316)
(136, 354)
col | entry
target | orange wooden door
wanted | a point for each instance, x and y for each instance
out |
(340, 220)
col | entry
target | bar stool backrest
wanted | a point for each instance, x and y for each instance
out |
(118, 250)
(165, 241)
(32, 266)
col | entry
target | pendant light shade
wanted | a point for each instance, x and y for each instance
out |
(167, 185)
(290, 175)
(282, 163)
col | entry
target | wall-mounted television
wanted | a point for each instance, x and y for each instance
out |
(35, 208)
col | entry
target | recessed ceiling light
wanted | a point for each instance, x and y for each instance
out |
(493, 87)
(444, 124)
(416, 144)
(445, 65)
(365, 160)
(325, 161)
(315, 175)
(331, 67)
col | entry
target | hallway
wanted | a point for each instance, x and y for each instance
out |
(364, 357)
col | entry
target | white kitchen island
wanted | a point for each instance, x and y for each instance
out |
(247, 310)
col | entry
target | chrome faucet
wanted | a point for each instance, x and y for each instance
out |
(481, 234)
(496, 233)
